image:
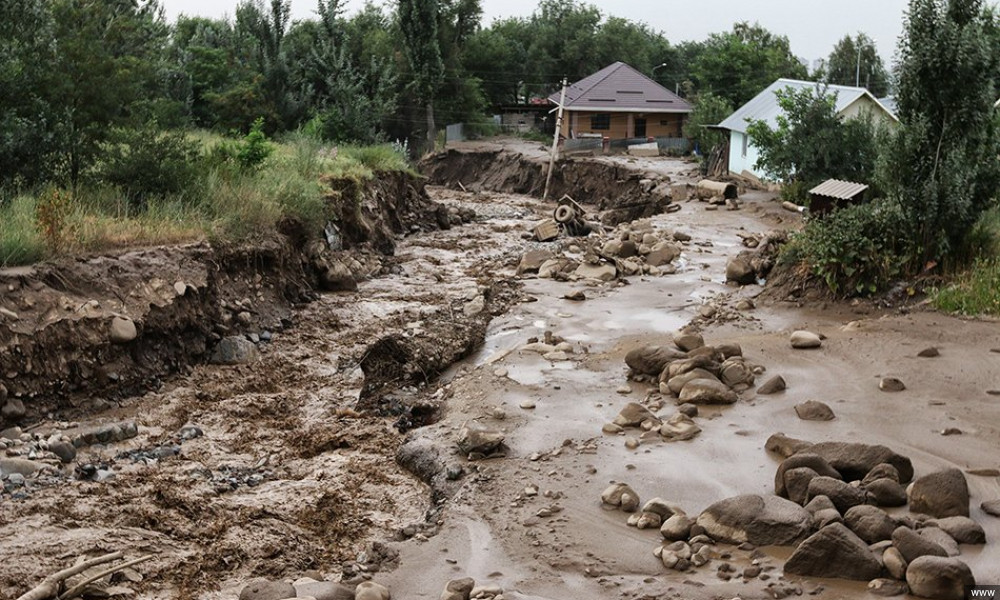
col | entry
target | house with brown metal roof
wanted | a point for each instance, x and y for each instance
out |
(619, 102)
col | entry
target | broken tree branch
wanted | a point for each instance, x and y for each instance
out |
(49, 587)
(78, 588)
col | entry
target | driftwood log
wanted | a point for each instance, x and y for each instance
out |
(51, 586)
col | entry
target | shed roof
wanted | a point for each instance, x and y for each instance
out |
(841, 190)
(620, 88)
(764, 106)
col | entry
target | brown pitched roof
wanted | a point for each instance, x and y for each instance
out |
(620, 88)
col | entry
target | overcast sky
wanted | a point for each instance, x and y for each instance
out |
(812, 26)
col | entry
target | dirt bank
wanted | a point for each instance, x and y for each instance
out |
(622, 193)
(78, 331)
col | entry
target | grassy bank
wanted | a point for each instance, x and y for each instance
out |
(217, 199)
(976, 290)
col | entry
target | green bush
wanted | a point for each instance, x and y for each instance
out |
(856, 250)
(975, 292)
(147, 162)
(248, 154)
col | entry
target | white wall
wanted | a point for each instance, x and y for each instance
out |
(738, 161)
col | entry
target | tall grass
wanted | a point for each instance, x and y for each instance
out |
(976, 290)
(225, 204)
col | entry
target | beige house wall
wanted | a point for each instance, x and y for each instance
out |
(622, 126)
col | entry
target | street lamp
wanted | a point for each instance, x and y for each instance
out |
(857, 71)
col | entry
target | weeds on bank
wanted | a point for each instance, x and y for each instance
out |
(233, 190)
(976, 291)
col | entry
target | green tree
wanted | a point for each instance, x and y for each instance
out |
(812, 142)
(740, 63)
(855, 61)
(418, 22)
(27, 53)
(709, 110)
(942, 163)
(498, 58)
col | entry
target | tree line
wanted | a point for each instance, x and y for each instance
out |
(77, 75)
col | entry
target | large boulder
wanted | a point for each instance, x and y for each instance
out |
(912, 546)
(662, 253)
(458, 589)
(854, 460)
(676, 384)
(870, 523)
(707, 391)
(235, 350)
(786, 446)
(813, 410)
(262, 589)
(688, 340)
(739, 270)
(759, 520)
(843, 495)
(796, 484)
(834, 551)
(886, 492)
(939, 537)
(477, 439)
(963, 529)
(651, 360)
(772, 386)
(805, 340)
(633, 414)
(369, 590)
(735, 371)
(939, 578)
(941, 494)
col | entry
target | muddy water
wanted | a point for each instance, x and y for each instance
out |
(586, 552)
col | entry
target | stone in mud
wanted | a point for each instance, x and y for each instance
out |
(684, 365)
(688, 341)
(759, 520)
(601, 272)
(813, 410)
(804, 459)
(843, 495)
(679, 427)
(648, 520)
(804, 340)
(991, 507)
(660, 507)
(894, 562)
(739, 270)
(870, 523)
(612, 248)
(235, 350)
(783, 445)
(891, 384)
(633, 414)
(622, 496)
(458, 589)
(834, 551)
(912, 546)
(20, 466)
(474, 438)
(475, 306)
(939, 578)
(941, 494)
(881, 471)
(940, 538)
(963, 529)
(931, 352)
(772, 386)
(262, 589)
(334, 276)
(324, 590)
(532, 260)
(122, 330)
(854, 461)
(886, 492)
(13, 410)
(796, 483)
(651, 360)
(575, 296)
(64, 450)
(662, 253)
(369, 590)
(735, 371)
(677, 527)
(707, 391)
(676, 384)
(887, 587)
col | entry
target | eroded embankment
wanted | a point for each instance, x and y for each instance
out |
(620, 193)
(73, 330)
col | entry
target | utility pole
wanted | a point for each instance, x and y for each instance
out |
(555, 141)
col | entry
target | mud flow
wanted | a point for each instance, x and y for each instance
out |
(434, 403)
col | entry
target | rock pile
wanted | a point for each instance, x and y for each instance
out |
(755, 264)
(636, 248)
(842, 487)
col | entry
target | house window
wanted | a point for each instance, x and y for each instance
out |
(600, 121)
(745, 138)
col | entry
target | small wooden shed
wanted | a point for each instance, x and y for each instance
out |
(834, 193)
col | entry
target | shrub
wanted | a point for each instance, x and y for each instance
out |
(975, 292)
(52, 214)
(146, 163)
(248, 154)
(855, 250)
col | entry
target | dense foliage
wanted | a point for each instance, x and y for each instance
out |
(855, 62)
(813, 143)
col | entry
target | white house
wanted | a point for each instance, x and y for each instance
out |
(850, 102)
